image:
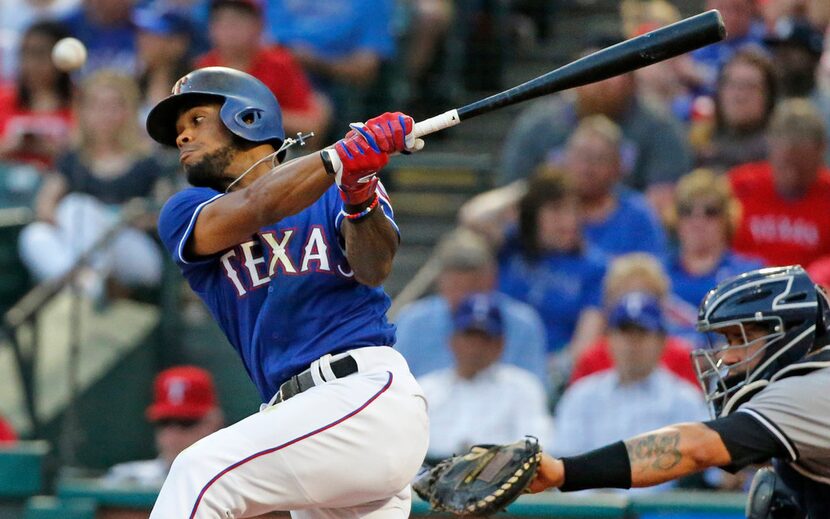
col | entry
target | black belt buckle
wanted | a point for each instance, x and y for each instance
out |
(303, 381)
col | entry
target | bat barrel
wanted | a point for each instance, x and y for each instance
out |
(658, 45)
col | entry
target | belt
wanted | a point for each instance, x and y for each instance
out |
(305, 380)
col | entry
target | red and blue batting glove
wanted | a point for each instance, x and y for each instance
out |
(356, 158)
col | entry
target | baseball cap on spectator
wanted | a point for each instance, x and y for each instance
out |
(252, 6)
(161, 21)
(798, 33)
(182, 393)
(481, 313)
(637, 309)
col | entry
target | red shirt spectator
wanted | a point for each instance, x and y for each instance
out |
(598, 358)
(781, 230)
(51, 128)
(236, 32)
(7, 434)
(275, 67)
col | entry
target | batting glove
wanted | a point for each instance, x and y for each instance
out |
(354, 162)
(393, 132)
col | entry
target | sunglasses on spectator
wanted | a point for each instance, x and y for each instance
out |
(182, 423)
(709, 211)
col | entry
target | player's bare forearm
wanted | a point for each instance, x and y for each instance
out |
(233, 218)
(371, 244)
(674, 452)
(655, 457)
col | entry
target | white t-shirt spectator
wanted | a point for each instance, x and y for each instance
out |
(501, 404)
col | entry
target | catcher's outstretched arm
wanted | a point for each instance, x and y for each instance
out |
(645, 460)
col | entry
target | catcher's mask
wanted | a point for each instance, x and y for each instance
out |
(774, 316)
(249, 109)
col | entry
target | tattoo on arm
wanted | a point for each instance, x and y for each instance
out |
(658, 452)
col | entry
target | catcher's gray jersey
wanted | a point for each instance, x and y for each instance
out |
(796, 410)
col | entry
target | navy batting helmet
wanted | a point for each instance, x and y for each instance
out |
(786, 303)
(249, 109)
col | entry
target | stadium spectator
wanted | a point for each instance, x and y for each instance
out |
(546, 263)
(705, 217)
(480, 399)
(77, 205)
(642, 273)
(654, 152)
(467, 265)
(15, 18)
(236, 29)
(744, 102)
(106, 28)
(616, 219)
(184, 410)
(743, 28)
(637, 395)
(662, 86)
(342, 44)
(796, 49)
(784, 199)
(163, 41)
(35, 113)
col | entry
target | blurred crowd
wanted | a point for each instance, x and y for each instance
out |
(566, 302)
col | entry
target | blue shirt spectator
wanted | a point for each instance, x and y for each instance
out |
(631, 227)
(107, 31)
(333, 28)
(559, 285)
(425, 326)
(705, 216)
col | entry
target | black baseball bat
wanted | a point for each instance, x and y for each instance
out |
(653, 47)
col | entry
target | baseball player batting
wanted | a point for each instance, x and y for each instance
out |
(767, 381)
(289, 259)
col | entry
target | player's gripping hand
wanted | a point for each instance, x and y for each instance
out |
(356, 158)
(392, 132)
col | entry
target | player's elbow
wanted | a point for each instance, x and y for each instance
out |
(374, 277)
(704, 447)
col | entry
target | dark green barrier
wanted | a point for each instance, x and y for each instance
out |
(21, 469)
(703, 505)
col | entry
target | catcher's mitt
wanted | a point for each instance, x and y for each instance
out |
(483, 481)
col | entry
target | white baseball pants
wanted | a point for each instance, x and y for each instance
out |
(344, 449)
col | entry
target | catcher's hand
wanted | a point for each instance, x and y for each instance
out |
(483, 481)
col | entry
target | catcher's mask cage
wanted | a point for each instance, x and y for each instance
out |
(249, 109)
(783, 302)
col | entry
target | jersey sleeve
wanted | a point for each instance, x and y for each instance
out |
(747, 440)
(796, 410)
(176, 223)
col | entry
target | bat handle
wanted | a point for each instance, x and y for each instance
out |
(437, 123)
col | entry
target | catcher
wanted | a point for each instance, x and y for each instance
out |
(767, 383)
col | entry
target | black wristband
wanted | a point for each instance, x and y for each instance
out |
(606, 467)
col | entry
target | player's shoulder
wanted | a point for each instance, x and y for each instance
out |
(181, 207)
(188, 197)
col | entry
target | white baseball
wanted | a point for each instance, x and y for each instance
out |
(69, 54)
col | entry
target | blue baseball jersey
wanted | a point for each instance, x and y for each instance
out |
(287, 296)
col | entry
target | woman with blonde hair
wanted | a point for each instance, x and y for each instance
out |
(109, 165)
(704, 219)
